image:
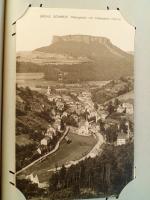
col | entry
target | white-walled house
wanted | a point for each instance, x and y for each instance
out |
(50, 132)
(121, 139)
(39, 151)
(120, 109)
(45, 141)
(84, 128)
(35, 180)
(129, 108)
(48, 91)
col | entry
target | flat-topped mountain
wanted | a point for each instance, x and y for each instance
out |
(81, 38)
(81, 57)
(83, 45)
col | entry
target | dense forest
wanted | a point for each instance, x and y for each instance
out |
(71, 73)
(101, 176)
(29, 189)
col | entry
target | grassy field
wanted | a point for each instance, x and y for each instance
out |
(128, 97)
(79, 147)
(23, 140)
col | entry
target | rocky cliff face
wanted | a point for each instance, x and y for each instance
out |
(83, 45)
(81, 38)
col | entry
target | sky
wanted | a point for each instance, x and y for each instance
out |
(38, 26)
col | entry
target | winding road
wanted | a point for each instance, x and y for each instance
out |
(49, 153)
(93, 153)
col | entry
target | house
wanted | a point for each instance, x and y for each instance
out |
(36, 107)
(45, 141)
(127, 124)
(106, 126)
(75, 117)
(43, 185)
(93, 116)
(20, 106)
(56, 126)
(84, 128)
(35, 180)
(93, 130)
(32, 178)
(66, 98)
(60, 105)
(103, 114)
(51, 98)
(50, 132)
(121, 139)
(39, 150)
(71, 110)
(129, 108)
(48, 91)
(53, 113)
(64, 115)
(121, 109)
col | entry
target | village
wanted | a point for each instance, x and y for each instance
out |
(110, 123)
(85, 119)
(74, 112)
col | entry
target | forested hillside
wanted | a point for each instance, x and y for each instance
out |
(113, 89)
(104, 175)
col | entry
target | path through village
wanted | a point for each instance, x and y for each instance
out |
(96, 150)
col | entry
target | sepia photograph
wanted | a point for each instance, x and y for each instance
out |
(74, 104)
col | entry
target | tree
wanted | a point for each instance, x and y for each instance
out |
(62, 172)
(111, 134)
(53, 182)
(28, 188)
(75, 190)
(106, 174)
(110, 108)
(96, 106)
(101, 124)
(116, 102)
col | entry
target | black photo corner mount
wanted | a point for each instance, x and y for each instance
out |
(134, 173)
(30, 5)
(13, 34)
(11, 172)
(11, 183)
(14, 23)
